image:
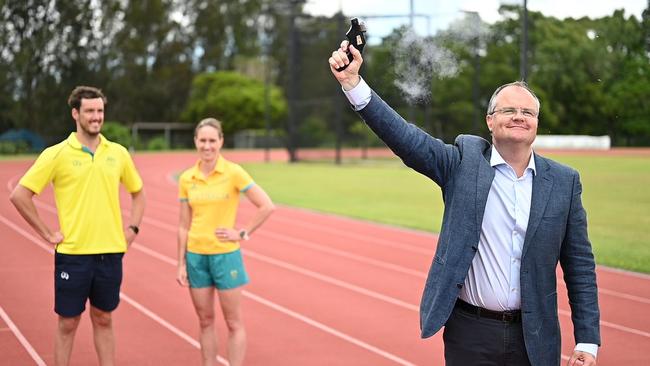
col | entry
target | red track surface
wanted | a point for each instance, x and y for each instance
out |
(325, 290)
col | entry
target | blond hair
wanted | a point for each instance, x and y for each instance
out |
(212, 122)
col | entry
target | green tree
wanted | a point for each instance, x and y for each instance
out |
(151, 66)
(222, 30)
(117, 132)
(236, 100)
(46, 47)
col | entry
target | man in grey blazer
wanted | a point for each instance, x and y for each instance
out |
(510, 216)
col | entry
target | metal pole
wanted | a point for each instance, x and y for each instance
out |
(411, 107)
(523, 71)
(292, 84)
(338, 117)
(267, 107)
(477, 69)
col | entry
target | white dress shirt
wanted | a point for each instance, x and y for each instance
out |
(493, 278)
(492, 281)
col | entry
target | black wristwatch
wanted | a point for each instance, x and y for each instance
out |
(243, 235)
(135, 229)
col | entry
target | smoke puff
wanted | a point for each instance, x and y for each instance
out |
(417, 62)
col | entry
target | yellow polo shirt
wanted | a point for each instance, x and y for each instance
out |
(86, 190)
(214, 200)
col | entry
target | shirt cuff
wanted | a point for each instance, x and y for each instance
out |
(587, 347)
(359, 96)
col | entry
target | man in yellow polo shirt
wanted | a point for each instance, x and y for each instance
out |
(86, 171)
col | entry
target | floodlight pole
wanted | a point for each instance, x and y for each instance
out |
(267, 104)
(523, 65)
(292, 66)
(477, 69)
(338, 112)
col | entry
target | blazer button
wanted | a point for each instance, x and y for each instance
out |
(459, 285)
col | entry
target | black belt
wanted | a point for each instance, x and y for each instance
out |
(511, 316)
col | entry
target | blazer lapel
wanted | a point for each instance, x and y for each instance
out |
(542, 187)
(483, 184)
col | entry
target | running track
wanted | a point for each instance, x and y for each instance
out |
(325, 290)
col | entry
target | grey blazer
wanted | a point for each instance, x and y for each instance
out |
(557, 231)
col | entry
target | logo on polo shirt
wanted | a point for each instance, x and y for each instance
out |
(234, 274)
(76, 163)
(65, 275)
(110, 160)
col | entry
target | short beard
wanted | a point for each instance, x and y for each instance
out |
(90, 133)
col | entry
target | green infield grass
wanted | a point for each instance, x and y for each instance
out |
(616, 195)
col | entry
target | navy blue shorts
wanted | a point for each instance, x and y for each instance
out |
(94, 277)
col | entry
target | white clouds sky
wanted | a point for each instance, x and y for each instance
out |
(442, 12)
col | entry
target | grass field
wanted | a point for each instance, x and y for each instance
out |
(616, 194)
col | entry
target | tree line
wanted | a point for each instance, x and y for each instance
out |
(258, 63)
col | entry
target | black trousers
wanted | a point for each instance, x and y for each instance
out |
(475, 341)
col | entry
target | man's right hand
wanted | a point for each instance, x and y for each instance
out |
(349, 78)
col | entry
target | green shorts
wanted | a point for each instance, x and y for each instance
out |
(223, 271)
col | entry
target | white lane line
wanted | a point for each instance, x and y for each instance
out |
(331, 280)
(163, 225)
(390, 266)
(304, 243)
(623, 295)
(342, 253)
(38, 241)
(128, 299)
(291, 313)
(266, 302)
(329, 330)
(624, 272)
(378, 263)
(339, 233)
(28, 347)
(248, 252)
(613, 325)
(144, 310)
(309, 273)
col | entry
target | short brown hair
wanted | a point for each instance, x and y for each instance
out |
(84, 92)
(212, 122)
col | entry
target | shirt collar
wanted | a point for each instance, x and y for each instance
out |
(219, 167)
(497, 159)
(74, 141)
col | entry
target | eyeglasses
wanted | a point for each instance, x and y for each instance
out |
(511, 111)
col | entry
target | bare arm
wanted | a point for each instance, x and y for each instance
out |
(265, 207)
(22, 198)
(137, 210)
(183, 229)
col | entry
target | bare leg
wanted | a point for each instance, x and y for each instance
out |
(103, 336)
(203, 299)
(231, 307)
(64, 338)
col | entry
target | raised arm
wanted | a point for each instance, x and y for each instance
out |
(425, 154)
